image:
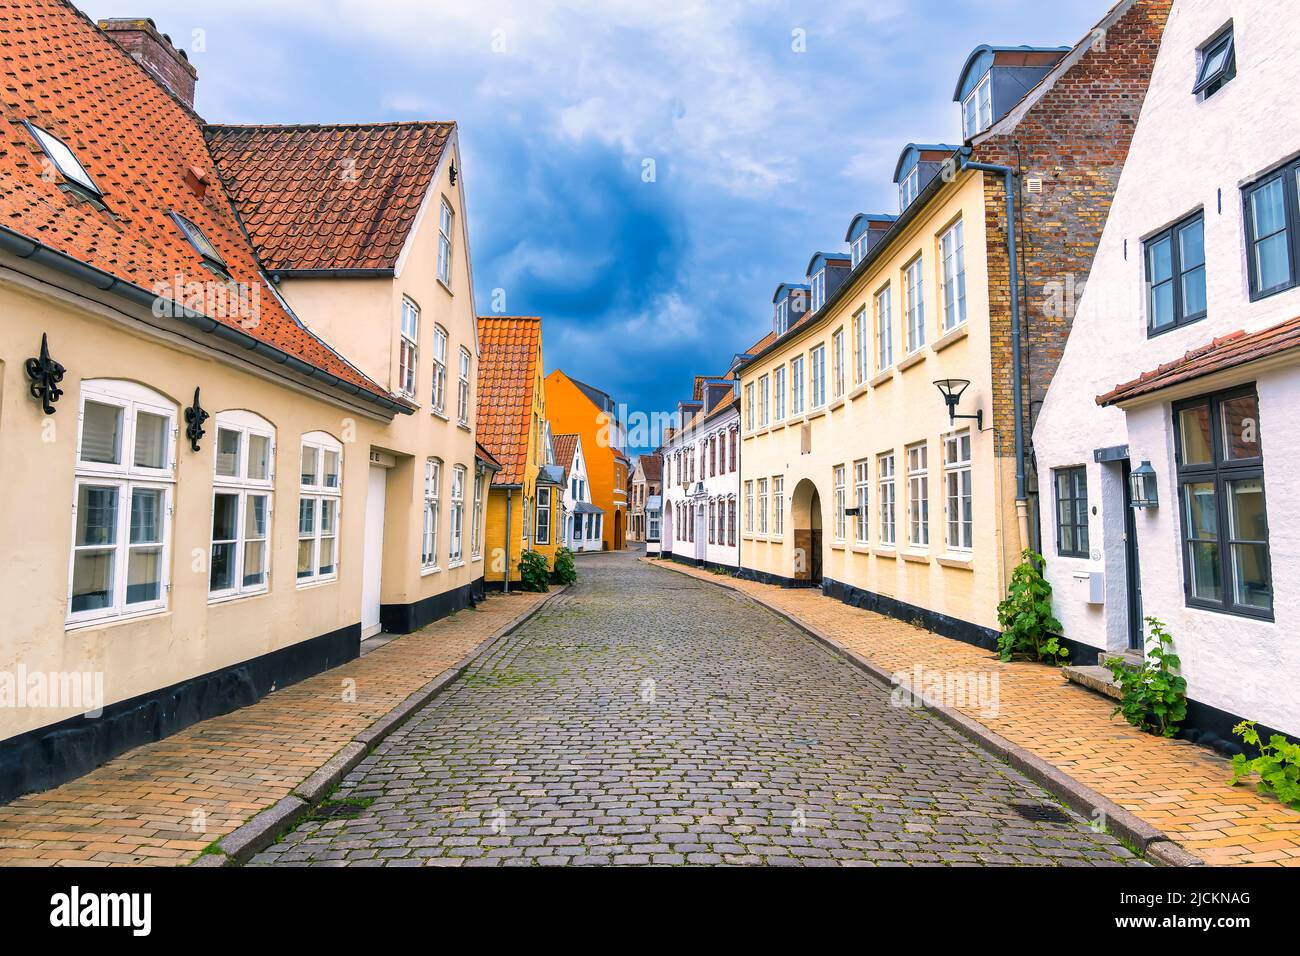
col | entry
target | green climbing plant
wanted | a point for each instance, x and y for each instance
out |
(1029, 631)
(1154, 695)
(1278, 764)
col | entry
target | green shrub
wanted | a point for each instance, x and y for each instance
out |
(1155, 698)
(565, 570)
(1278, 764)
(533, 572)
(1028, 629)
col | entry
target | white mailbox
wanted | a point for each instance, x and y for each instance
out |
(1090, 586)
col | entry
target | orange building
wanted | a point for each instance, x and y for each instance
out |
(574, 407)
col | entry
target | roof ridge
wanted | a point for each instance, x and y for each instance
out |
(377, 124)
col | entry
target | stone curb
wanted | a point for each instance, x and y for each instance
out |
(265, 827)
(1154, 843)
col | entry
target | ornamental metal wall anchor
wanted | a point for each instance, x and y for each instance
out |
(195, 416)
(46, 374)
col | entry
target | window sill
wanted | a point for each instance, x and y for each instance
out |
(838, 546)
(860, 549)
(454, 565)
(440, 414)
(886, 376)
(915, 358)
(916, 557)
(837, 404)
(885, 552)
(425, 572)
(118, 619)
(860, 391)
(231, 598)
(778, 426)
(815, 413)
(962, 562)
(760, 431)
(475, 558)
(952, 336)
(464, 426)
(444, 284)
(308, 584)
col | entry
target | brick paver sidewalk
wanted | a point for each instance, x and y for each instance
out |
(1174, 785)
(163, 803)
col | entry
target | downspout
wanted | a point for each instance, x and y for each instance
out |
(509, 508)
(740, 454)
(1017, 372)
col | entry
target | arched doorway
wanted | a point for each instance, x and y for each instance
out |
(806, 521)
(619, 542)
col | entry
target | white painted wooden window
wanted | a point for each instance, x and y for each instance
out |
(797, 396)
(476, 534)
(456, 548)
(841, 502)
(957, 491)
(953, 250)
(778, 506)
(862, 499)
(762, 400)
(778, 394)
(320, 493)
(408, 349)
(543, 515)
(918, 495)
(762, 506)
(884, 329)
(462, 396)
(817, 376)
(749, 507)
(439, 369)
(885, 495)
(432, 513)
(446, 218)
(244, 472)
(837, 363)
(915, 289)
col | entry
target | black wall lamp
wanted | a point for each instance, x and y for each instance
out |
(195, 416)
(952, 389)
(1142, 487)
(46, 374)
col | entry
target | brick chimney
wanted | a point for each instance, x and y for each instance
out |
(170, 66)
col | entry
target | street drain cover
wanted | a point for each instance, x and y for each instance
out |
(1040, 812)
(338, 811)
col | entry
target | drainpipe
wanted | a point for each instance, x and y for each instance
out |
(1017, 372)
(740, 455)
(509, 507)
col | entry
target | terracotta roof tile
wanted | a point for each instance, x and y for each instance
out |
(564, 446)
(329, 197)
(137, 142)
(1225, 352)
(653, 466)
(484, 455)
(511, 350)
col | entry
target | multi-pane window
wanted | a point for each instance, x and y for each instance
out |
(837, 363)
(125, 476)
(408, 350)
(750, 421)
(432, 513)
(796, 385)
(543, 525)
(241, 505)
(439, 369)
(861, 347)
(1221, 490)
(861, 500)
(1272, 231)
(749, 507)
(778, 506)
(713, 521)
(781, 320)
(1175, 261)
(953, 251)
(476, 527)
(918, 495)
(732, 457)
(731, 521)
(888, 510)
(914, 288)
(841, 502)
(909, 188)
(462, 399)
(884, 329)
(320, 492)
(762, 401)
(445, 219)
(977, 108)
(957, 491)
(818, 290)
(817, 376)
(778, 394)
(455, 549)
(1072, 512)
(762, 506)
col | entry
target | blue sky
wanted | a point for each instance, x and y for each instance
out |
(761, 154)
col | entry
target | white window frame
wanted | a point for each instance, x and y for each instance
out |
(446, 222)
(914, 291)
(749, 507)
(462, 401)
(952, 251)
(818, 290)
(861, 347)
(839, 492)
(909, 188)
(797, 397)
(762, 506)
(778, 506)
(884, 319)
(778, 394)
(749, 406)
(917, 457)
(862, 500)
(476, 528)
(323, 497)
(886, 494)
(837, 362)
(977, 108)
(408, 348)
(242, 486)
(125, 477)
(858, 250)
(431, 514)
(781, 319)
(762, 400)
(439, 379)
(817, 376)
(542, 526)
(456, 546)
(958, 491)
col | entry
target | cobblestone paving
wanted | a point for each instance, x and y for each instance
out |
(647, 718)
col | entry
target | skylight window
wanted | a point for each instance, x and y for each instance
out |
(64, 159)
(201, 245)
(1218, 64)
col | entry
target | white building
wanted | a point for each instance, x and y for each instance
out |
(583, 521)
(701, 478)
(1191, 307)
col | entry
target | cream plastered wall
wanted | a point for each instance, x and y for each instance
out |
(362, 319)
(1244, 666)
(894, 408)
(190, 636)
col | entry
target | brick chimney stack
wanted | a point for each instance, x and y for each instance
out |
(170, 66)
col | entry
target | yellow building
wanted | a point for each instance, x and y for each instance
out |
(853, 475)
(525, 502)
(580, 409)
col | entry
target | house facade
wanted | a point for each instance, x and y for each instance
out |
(646, 483)
(580, 409)
(886, 431)
(701, 478)
(1186, 338)
(237, 470)
(584, 522)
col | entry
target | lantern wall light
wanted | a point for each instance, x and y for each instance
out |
(952, 389)
(1142, 487)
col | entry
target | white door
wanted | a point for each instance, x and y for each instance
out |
(373, 561)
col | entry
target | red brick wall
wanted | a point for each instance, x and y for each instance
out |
(155, 51)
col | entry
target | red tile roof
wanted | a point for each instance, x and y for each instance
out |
(564, 446)
(511, 347)
(652, 466)
(137, 142)
(1226, 352)
(483, 454)
(329, 197)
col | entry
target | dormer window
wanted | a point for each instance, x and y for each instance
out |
(977, 108)
(64, 160)
(818, 290)
(909, 188)
(858, 250)
(1218, 65)
(781, 321)
(206, 250)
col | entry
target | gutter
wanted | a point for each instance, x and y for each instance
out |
(1017, 372)
(278, 274)
(22, 247)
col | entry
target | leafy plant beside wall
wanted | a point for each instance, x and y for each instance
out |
(1154, 697)
(1029, 631)
(533, 571)
(566, 572)
(1278, 764)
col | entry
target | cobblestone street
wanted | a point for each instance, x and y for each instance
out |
(648, 718)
